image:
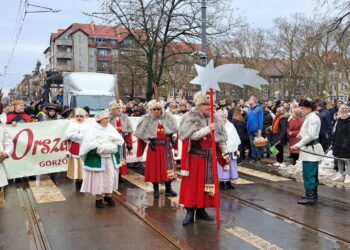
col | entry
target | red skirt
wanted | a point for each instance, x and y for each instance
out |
(192, 193)
(123, 170)
(155, 168)
(74, 149)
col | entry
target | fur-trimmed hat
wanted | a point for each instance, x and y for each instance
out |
(154, 104)
(222, 103)
(115, 105)
(102, 115)
(200, 99)
(79, 111)
(307, 104)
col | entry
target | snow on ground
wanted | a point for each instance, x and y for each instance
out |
(326, 172)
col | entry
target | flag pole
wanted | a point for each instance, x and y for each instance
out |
(215, 168)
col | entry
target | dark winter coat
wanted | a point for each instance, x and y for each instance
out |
(326, 124)
(267, 121)
(341, 139)
(282, 131)
(241, 128)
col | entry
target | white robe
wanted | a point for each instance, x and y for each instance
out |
(233, 140)
(309, 132)
(106, 140)
(6, 146)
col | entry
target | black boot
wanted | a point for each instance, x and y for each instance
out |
(109, 201)
(189, 218)
(309, 198)
(316, 194)
(99, 204)
(201, 214)
(121, 180)
(223, 185)
(78, 184)
(168, 190)
(155, 190)
(229, 185)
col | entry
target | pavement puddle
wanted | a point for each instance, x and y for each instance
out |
(45, 190)
(139, 181)
(251, 238)
(262, 175)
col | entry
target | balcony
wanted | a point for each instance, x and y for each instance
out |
(103, 45)
(104, 68)
(64, 42)
(106, 58)
(64, 55)
(64, 68)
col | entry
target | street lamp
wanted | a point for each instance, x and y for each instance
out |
(204, 49)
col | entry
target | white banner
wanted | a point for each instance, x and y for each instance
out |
(39, 149)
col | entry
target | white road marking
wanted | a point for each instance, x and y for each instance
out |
(251, 238)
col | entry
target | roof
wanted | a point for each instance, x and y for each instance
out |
(100, 31)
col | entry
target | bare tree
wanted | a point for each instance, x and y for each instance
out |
(290, 44)
(156, 24)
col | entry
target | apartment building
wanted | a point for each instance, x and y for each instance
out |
(86, 48)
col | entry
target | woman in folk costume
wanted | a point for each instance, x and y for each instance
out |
(230, 175)
(123, 125)
(158, 129)
(74, 136)
(308, 136)
(197, 185)
(6, 149)
(99, 151)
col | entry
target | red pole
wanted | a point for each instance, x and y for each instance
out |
(215, 166)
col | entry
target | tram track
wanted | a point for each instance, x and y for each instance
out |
(142, 215)
(36, 234)
(284, 188)
(251, 204)
(287, 218)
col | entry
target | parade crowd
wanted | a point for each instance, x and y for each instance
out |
(97, 151)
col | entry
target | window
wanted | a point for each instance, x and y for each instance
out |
(81, 64)
(103, 52)
(80, 52)
(91, 64)
(80, 39)
(91, 52)
(69, 62)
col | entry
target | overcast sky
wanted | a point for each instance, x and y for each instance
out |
(34, 38)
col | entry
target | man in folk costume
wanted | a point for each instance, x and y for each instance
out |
(311, 150)
(124, 126)
(158, 129)
(197, 185)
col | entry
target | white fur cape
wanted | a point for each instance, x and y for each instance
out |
(194, 120)
(147, 128)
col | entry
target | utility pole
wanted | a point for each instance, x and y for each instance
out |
(204, 49)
